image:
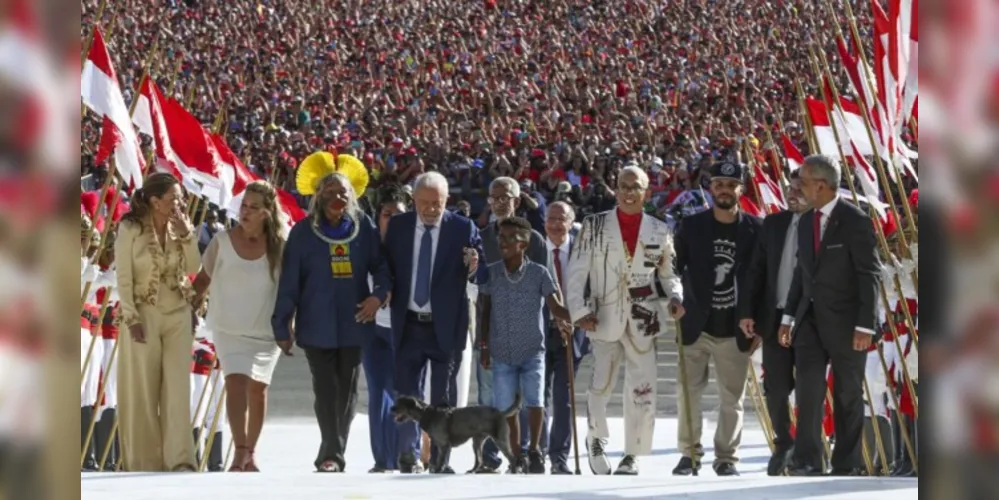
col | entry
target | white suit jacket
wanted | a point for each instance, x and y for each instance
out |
(622, 291)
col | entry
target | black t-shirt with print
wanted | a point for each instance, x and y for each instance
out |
(721, 322)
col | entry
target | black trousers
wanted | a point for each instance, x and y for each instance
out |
(334, 383)
(778, 382)
(814, 348)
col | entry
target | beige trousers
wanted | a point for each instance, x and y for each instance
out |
(154, 391)
(731, 366)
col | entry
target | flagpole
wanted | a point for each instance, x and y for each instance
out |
(93, 32)
(867, 123)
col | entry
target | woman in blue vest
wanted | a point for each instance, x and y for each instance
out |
(325, 304)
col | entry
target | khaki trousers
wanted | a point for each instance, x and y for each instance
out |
(731, 366)
(638, 396)
(154, 391)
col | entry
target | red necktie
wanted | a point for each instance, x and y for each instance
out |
(558, 268)
(817, 230)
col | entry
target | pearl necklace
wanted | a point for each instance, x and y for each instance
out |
(522, 272)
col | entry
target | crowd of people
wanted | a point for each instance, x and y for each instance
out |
(525, 117)
(561, 92)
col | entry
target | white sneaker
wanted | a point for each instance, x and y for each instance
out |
(599, 463)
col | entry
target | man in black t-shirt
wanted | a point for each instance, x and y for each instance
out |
(713, 250)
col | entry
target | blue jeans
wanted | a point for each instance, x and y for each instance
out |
(527, 378)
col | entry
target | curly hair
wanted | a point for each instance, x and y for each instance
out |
(274, 224)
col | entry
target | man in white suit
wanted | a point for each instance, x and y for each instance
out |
(627, 256)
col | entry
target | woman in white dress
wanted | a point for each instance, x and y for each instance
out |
(240, 272)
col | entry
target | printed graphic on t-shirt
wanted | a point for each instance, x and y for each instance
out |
(724, 287)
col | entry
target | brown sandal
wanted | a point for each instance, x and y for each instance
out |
(251, 464)
(238, 466)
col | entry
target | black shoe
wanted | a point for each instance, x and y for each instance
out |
(726, 469)
(408, 464)
(444, 469)
(778, 463)
(845, 472)
(804, 470)
(627, 467)
(686, 467)
(519, 467)
(535, 462)
(560, 469)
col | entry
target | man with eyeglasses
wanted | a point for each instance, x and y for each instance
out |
(504, 200)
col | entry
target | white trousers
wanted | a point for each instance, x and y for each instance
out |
(465, 369)
(109, 373)
(91, 378)
(212, 401)
(639, 395)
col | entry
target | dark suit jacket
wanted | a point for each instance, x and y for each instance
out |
(758, 292)
(695, 263)
(840, 284)
(580, 344)
(448, 282)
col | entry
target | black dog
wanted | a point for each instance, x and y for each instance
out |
(449, 427)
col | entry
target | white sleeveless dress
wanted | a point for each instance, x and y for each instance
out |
(241, 302)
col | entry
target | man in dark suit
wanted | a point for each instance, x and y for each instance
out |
(563, 340)
(505, 198)
(432, 253)
(830, 316)
(713, 251)
(761, 305)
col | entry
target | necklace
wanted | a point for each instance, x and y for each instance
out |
(520, 273)
(319, 233)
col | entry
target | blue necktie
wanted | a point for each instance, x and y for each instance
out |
(421, 295)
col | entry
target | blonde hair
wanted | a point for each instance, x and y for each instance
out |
(274, 224)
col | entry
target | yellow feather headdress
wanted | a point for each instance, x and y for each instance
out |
(319, 165)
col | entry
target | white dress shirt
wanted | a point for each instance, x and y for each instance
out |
(826, 211)
(417, 243)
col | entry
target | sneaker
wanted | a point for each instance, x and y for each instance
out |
(535, 462)
(726, 469)
(560, 469)
(599, 464)
(627, 467)
(409, 465)
(686, 467)
(518, 467)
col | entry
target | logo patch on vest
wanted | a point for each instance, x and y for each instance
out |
(340, 261)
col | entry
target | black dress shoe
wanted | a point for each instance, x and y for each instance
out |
(778, 463)
(561, 469)
(726, 469)
(847, 472)
(804, 470)
(686, 467)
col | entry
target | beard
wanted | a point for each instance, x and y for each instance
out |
(725, 203)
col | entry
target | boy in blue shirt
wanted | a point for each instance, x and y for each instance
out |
(512, 340)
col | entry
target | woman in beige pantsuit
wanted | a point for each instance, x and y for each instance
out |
(156, 252)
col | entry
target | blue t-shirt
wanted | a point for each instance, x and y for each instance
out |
(517, 326)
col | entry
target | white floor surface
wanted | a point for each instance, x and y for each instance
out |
(287, 449)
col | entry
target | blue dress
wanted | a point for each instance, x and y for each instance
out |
(322, 282)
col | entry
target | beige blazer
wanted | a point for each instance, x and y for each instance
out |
(149, 274)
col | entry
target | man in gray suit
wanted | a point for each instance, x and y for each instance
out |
(504, 199)
(830, 316)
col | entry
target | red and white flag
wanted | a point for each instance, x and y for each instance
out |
(794, 157)
(101, 93)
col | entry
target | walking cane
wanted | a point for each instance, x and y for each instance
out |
(572, 399)
(686, 397)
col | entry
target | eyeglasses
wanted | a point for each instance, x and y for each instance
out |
(500, 199)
